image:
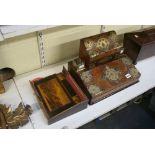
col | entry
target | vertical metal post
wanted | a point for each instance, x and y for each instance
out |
(41, 49)
(102, 28)
(1, 36)
(142, 26)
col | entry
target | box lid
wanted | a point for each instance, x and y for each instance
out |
(99, 46)
(142, 38)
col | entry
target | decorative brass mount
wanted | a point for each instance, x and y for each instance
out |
(10, 119)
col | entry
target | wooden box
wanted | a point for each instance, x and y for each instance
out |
(99, 48)
(140, 45)
(2, 89)
(59, 96)
(106, 79)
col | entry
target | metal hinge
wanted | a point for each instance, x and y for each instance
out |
(41, 49)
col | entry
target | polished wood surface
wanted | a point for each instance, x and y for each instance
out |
(69, 90)
(53, 94)
(103, 80)
(74, 85)
(99, 47)
(59, 95)
(2, 121)
(140, 45)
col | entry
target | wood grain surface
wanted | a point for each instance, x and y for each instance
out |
(104, 78)
(53, 94)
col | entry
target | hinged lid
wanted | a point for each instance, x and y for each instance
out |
(140, 45)
(98, 47)
(142, 38)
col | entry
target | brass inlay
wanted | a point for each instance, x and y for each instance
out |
(86, 76)
(134, 72)
(93, 53)
(112, 74)
(94, 90)
(126, 61)
(103, 44)
(89, 44)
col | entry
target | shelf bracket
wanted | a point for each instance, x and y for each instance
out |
(1, 36)
(102, 29)
(41, 48)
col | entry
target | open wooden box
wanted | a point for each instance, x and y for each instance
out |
(59, 96)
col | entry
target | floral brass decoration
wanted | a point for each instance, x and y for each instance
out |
(89, 44)
(126, 61)
(94, 90)
(114, 39)
(112, 74)
(10, 119)
(78, 64)
(103, 44)
(134, 72)
(113, 36)
(93, 53)
(86, 76)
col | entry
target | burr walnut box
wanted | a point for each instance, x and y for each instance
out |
(99, 48)
(59, 95)
(106, 79)
(140, 45)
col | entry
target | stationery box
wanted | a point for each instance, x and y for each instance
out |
(99, 48)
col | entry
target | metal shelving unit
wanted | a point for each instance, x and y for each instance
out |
(9, 31)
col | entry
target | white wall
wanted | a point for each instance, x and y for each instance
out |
(22, 54)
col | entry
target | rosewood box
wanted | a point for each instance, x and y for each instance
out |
(140, 45)
(59, 95)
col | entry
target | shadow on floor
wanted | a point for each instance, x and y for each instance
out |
(134, 116)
